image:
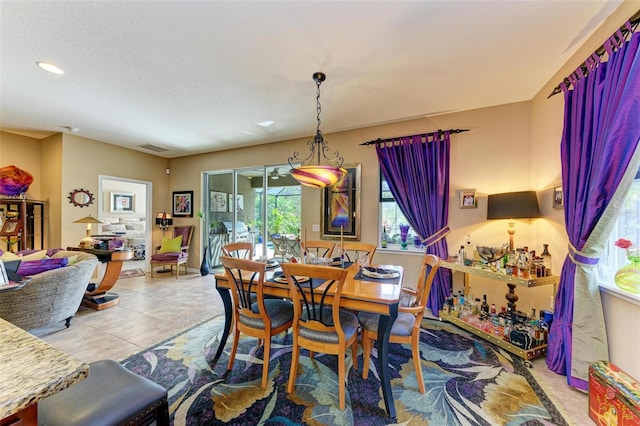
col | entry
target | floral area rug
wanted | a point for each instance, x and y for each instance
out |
(468, 382)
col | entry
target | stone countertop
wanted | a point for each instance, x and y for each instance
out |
(31, 369)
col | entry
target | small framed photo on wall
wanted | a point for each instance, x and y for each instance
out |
(558, 197)
(468, 199)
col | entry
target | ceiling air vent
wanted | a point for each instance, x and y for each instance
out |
(153, 148)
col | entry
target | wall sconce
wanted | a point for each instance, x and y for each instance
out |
(87, 241)
(513, 205)
(164, 220)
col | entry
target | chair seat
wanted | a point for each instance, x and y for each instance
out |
(280, 311)
(402, 326)
(348, 321)
(169, 257)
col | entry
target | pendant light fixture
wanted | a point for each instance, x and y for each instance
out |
(318, 175)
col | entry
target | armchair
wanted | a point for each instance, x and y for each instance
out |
(166, 256)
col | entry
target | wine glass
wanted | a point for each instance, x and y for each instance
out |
(362, 260)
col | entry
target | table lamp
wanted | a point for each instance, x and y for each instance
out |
(164, 220)
(513, 205)
(87, 241)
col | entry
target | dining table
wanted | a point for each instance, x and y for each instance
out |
(359, 293)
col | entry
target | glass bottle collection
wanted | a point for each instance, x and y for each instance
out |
(504, 324)
(519, 262)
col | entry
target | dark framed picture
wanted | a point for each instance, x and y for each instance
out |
(121, 202)
(468, 199)
(11, 228)
(340, 206)
(558, 197)
(183, 203)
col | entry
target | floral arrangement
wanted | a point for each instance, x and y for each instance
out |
(623, 243)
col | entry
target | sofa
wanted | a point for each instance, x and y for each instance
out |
(49, 296)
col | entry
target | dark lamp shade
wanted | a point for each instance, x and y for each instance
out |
(164, 219)
(513, 205)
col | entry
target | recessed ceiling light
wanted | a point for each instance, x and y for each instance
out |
(49, 67)
(267, 123)
(71, 129)
(248, 133)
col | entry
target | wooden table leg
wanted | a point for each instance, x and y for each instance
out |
(100, 298)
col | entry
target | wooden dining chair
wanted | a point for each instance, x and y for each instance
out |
(240, 250)
(254, 315)
(318, 248)
(406, 328)
(318, 325)
(352, 250)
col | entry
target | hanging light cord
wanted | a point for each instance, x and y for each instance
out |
(317, 143)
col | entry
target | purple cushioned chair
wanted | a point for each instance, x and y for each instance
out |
(175, 258)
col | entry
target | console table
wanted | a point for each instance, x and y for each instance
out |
(97, 296)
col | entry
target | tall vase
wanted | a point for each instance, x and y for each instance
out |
(628, 277)
(204, 267)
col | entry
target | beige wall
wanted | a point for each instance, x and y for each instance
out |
(492, 157)
(62, 163)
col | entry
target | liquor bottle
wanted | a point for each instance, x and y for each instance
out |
(468, 252)
(383, 241)
(546, 259)
(484, 307)
(461, 255)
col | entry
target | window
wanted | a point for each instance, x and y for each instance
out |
(391, 217)
(627, 226)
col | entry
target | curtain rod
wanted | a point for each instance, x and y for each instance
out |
(634, 20)
(439, 132)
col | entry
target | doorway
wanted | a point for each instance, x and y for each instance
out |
(135, 223)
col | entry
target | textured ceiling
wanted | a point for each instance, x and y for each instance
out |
(194, 77)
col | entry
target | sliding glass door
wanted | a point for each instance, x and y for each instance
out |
(250, 204)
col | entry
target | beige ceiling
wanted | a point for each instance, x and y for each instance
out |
(194, 77)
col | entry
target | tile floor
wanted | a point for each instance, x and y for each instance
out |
(153, 310)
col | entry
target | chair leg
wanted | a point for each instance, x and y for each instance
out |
(341, 371)
(354, 353)
(265, 362)
(151, 266)
(415, 353)
(366, 353)
(185, 269)
(294, 367)
(234, 348)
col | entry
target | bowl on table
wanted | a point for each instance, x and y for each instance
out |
(492, 254)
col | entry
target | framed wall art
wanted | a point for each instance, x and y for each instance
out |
(239, 204)
(182, 203)
(11, 228)
(121, 202)
(218, 201)
(468, 199)
(340, 206)
(558, 197)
